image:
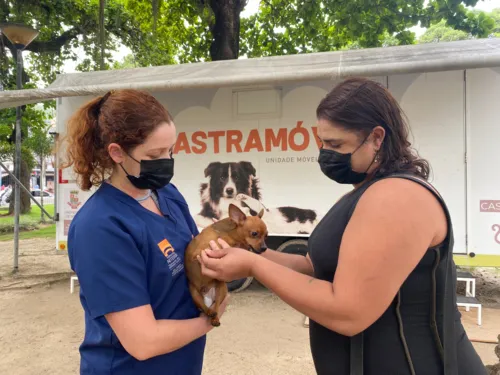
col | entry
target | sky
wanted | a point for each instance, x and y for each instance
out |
(252, 8)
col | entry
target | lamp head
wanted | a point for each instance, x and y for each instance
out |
(19, 35)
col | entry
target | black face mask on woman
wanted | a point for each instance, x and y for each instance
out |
(338, 168)
(154, 174)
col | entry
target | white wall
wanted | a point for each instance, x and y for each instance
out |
(434, 104)
(483, 131)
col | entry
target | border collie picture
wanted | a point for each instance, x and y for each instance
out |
(225, 182)
(237, 183)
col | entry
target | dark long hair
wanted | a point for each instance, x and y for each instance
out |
(359, 105)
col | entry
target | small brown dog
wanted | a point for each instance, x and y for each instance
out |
(238, 230)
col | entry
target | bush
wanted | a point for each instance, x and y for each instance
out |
(25, 224)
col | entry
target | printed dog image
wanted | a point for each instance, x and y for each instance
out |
(237, 230)
(237, 183)
(286, 220)
(225, 182)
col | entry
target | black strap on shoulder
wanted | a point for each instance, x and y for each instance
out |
(448, 340)
(357, 354)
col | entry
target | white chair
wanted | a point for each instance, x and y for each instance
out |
(72, 281)
(469, 302)
(470, 282)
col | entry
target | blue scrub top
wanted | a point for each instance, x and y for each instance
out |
(126, 256)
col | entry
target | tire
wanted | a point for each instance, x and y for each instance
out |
(239, 285)
(296, 246)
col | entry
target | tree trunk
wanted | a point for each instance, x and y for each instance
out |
(226, 29)
(102, 37)
(25, 199)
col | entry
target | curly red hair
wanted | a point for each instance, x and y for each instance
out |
(126, 117)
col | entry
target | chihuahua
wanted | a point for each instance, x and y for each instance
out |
(238, 230)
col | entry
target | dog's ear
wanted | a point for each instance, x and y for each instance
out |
(261, 213)
(236, 214)
(248, 167)
(209, 170)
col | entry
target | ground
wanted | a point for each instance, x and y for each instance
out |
(41, 323)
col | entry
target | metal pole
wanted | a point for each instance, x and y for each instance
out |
(56, 180)
(17, 163)
(1, 174)
(42, 184)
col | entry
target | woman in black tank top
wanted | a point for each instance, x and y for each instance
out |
(379, 280)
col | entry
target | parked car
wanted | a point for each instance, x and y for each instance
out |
(48, 198)
(5, 196)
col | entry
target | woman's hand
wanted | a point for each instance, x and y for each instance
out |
(226, 263)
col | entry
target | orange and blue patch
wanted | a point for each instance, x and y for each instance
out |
(166, 248)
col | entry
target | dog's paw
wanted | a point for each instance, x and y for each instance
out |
(212, 314)
(215, 322)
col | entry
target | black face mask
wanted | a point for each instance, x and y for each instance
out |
(337, 166)
(154, 174)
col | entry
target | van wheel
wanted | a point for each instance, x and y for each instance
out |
(239, 285)
(294, 247)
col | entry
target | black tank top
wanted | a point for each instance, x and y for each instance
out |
(404, 340)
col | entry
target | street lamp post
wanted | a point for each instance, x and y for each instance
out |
(20, 36)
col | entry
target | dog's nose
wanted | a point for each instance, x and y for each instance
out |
(263, 248)
(230, 191)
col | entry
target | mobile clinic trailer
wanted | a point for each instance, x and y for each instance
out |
(246, 133)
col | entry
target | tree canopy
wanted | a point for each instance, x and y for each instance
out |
(443, 32)
(172, 31)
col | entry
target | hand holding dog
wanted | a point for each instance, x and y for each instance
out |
(226, 263)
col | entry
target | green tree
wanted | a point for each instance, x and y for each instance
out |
(128, 62)
(64, 25)
(171, 31)
(41, 144)
(34, 116)
(300, 26)
(441, 32)
(495, 14)
(203, 30)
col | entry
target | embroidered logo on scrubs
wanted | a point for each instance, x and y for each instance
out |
(174, 261)
(166, 248)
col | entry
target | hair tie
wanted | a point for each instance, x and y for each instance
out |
(101, 102)
(98, 112)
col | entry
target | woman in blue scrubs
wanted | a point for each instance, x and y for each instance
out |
(126, 244)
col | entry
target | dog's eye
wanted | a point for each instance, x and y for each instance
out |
(255, 234)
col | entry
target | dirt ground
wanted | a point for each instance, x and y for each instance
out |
(41, 323)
